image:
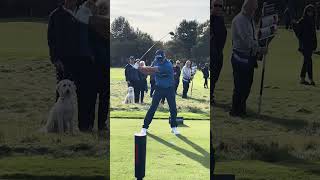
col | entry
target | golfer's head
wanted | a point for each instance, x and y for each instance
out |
(160, 56)
(249, 7)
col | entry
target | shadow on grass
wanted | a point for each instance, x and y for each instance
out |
(183, 125)
(203, 159)
(199, 100)
(296, 124)
(48, 177)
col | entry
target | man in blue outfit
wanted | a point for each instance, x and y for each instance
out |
(164, 82)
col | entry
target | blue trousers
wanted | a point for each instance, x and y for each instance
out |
(159, 93)
(185, 89)
(243, 79)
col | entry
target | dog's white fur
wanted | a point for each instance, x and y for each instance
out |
(63, 113)
(130, 96)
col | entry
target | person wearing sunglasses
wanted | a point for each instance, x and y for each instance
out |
(218, 35)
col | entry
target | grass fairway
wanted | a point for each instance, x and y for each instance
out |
(288, 129)
(27, 91)
(36, 167)
(196, 107)
(168, 157)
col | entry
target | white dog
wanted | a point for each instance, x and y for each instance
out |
(130, 96)
(63, 113)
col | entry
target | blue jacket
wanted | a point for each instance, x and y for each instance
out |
(164, 78)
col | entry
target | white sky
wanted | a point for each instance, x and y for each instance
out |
(159, 17)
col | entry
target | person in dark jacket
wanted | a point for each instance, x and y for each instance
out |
(305, 30)
(219, 35)
(71, 57)
(205, 71)
(100, 46)
(287, 18)
(132, 78)
(177, 73)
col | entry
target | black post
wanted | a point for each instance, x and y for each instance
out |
(140, 156)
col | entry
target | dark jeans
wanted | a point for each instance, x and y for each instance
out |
(243, 78)
(141, 90)
(185, 89)
(135, 85)
(216, 70)
(160, 93)
(212, 159)
(205, 82)
(103, 93)
(307, 66)
(87, 93)
(177, 82)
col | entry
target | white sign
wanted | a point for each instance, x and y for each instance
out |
(269, 21)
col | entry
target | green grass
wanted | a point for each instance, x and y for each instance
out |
(36, 167)
(196, 107)
(168, 157)
(27, 91)
(271, 171)
(290, 116)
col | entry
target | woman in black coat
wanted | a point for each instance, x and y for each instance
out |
(305, 30)
(205, 71)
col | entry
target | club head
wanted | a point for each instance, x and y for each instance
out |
(171, 33)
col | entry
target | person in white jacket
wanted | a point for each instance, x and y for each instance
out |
(186, 78)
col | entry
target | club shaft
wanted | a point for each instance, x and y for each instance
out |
(262, 79)
(152, 47)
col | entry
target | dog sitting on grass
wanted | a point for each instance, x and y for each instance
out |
(130, 96)
(63, 112)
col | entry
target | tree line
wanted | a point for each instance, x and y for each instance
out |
(190, 42)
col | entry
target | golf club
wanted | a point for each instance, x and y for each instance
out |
(170, 33)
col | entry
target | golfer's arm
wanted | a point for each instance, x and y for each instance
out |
(148, 70)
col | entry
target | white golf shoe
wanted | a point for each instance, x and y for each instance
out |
(175, 131)
(143, 132)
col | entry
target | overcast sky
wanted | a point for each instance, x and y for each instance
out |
(158, 17)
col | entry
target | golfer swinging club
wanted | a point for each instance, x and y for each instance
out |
(164, 82)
